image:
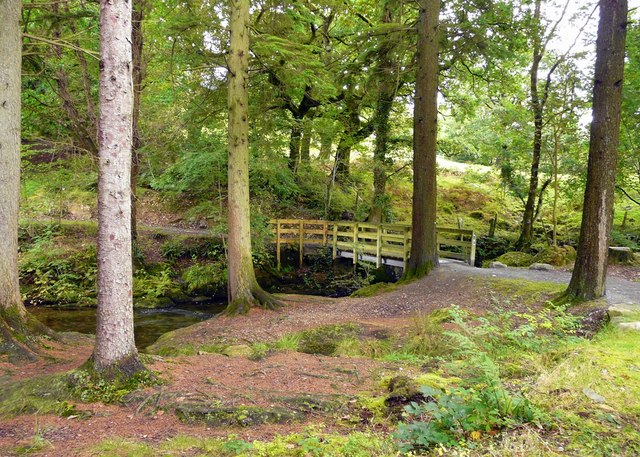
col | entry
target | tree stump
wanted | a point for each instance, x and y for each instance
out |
(621, 255)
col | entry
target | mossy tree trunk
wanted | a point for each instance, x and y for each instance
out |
(115, 353)
(424, 249)
(589, 274)
(386, 81)
(244, 290)
(18, 329)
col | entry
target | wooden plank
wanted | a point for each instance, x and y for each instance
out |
(454, 230)
(452, 255)
(472, 251)
(448, 242)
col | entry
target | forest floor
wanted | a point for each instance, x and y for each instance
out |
(241, 379)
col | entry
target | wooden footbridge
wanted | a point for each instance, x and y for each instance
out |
(382, 244)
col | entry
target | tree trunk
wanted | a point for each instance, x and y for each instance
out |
(386, 82)
(526, 233)
(424, 248)
(590, 271)
(137, 42)
(294, 145)
(244, 290)
(115, 353)
(16, 325)
(305, 146)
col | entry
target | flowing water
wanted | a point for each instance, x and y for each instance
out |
(149, 324)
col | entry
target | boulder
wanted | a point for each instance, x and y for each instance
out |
(516, 259)
(558, 256)
(497, 265)
(541, 267)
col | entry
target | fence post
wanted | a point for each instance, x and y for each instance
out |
(460, 227)
(335, 240)
(324, 233)
(355, 244)
(405, 245)
(301, 235)
(278, 242)
(472, 251)
(379, 247)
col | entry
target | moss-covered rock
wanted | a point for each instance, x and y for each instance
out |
(516, 259)
(558, 256)
(244, 416)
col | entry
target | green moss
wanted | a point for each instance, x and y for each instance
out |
(42, 395)
(516, 259)
(556, 255)
(244, 416)
(375, 289)
(523, 291)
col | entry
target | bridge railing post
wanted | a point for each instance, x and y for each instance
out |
(472, 251)
(379, 247)
(355, 244)
(335, 241)
(301, 237)
(278, 242)
(406, 248)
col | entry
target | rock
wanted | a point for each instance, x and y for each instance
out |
(516, 259)
(541, 267)
(497, 265)
(558, 256)
(593, 395)
(630, 325)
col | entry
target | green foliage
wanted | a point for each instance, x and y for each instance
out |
(59, 275)
(489, 248)
(152, 285)
(210, 277)
(451, 417)
(88, 387)
(186, 247)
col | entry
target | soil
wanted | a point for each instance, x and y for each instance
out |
(276, 381)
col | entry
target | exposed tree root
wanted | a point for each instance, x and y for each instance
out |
(259, 298)
(20, 335)
(417, 272)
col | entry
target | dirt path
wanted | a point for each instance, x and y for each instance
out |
(620, 291)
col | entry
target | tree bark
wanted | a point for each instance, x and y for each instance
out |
(424, 248)
(244, 290)
(537, 106)
(17, 327)
(137, 43)
(305, 145)
(588, 280)
(115, 353)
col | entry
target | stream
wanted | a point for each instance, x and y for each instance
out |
(149, 324)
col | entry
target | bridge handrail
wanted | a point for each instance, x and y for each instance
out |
(368, 237)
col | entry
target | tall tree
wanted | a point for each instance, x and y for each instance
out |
(115, 352)
(244, 290)
(17, 327)
(589, 274)
(424, 248)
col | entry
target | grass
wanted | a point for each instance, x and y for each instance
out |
(312, 442)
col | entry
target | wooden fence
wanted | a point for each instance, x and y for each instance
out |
(378, 243)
